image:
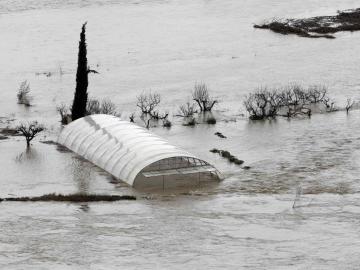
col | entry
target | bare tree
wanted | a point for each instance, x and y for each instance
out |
(148, 102)
(202, 98)
(349, 105)
(317, 94)
(30, 130)
(23, 94)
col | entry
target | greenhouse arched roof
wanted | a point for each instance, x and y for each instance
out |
(119, 147)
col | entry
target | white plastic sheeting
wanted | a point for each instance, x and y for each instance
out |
(119, 147)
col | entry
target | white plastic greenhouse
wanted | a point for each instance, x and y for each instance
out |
(135, 155)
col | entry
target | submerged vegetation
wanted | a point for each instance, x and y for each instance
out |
(316, 27)
(30, 130)
(228, 156)
(290, 101)
(349, 104)
(190, 122)
(148, 103)
(65, 115)
(76, 198)
(220, 135)
(202, 98)
(187, 110)
(105, 106)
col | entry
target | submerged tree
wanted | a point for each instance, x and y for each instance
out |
(81, 95)
(29, 131)
(202, 97)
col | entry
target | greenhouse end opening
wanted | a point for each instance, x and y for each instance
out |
(135, 155)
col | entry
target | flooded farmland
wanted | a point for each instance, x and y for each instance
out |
(247, 221)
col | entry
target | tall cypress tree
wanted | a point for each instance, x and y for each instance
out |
(81, 95)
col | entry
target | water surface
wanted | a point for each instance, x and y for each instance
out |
(245, 222)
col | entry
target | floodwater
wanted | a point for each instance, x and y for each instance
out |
(248, 220)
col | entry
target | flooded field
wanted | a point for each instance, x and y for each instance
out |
(248, 220)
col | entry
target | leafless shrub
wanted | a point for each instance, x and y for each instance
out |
(290, 101)
(202, 98)
(187, 110)
(23, 94)
(64, 114)
(93, 106)
(106, 106)
(349, 104)
(290, 108)
(148, 102)
(262, 104)
(158, 116)
(29, 131)
(293, 94)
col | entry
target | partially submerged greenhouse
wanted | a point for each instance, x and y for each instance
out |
(135, 155)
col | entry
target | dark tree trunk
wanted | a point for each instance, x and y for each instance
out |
(81, 96)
